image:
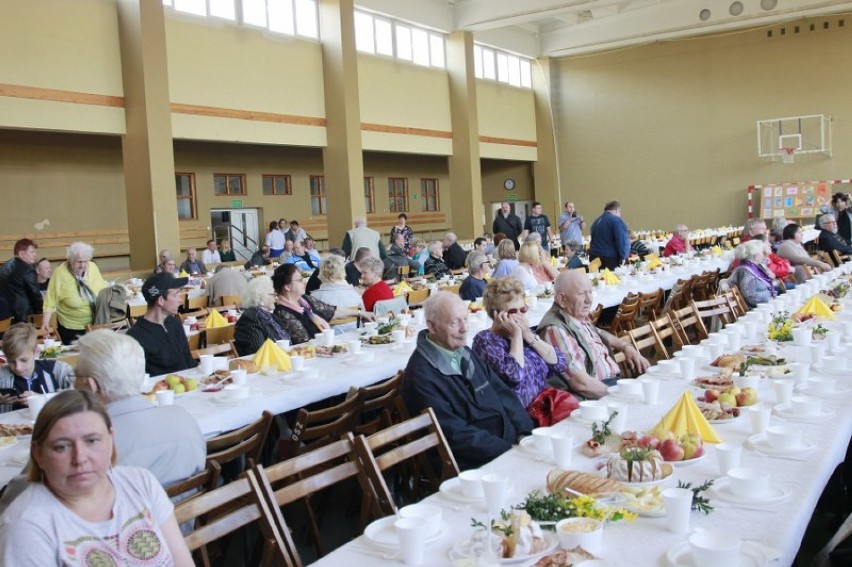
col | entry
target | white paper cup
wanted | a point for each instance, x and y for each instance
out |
(165, 397)
(750, 329)
(238, 376)
(715, 548)
(832, 341)
(846, 327)
(783, 388)
(728, 456)
(220, 363)
(429, 513)
(398, 335)
(328, 337)
(412, 539)
(629, 387)
(187, 329)
(354, 346)
(205, 364)
(371, 326)
(678, 505)
(748, 482)
(619, 422)
(759, 416)
(541, 438)
(748, 381)
(594, 410)
(283, 344)
(471, 484)
(799, 371)
(585, 532)
(817, 352)
(419, 317)
(297, 361)
(234, 392)
(36, 402)
(496, 489)
(821, 385)
(651, 390)
(734, 339)
(805, 405)
(687, 368)
(563, 449)
(802, 336)
(716, 350)
(783, 437)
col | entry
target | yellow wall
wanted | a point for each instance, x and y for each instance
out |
(669, 129)
(506, 113)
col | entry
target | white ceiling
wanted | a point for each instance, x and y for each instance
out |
(558, 28)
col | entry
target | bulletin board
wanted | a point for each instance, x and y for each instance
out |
(794, 200)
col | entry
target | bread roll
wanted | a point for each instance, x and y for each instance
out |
(585, 483)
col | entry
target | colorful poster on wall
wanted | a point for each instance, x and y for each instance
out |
(800, 200)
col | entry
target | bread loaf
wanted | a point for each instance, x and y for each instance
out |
(730, 361)
(585, 483)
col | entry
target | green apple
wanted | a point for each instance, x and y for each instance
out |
(728, 399)
(179, 388)
(173, 380)
(190, 384)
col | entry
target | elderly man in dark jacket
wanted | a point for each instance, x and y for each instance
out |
(480, 416)
(397, 258)
(18, 281)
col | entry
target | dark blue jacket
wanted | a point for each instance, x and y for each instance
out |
(480, 416)
(610, 237)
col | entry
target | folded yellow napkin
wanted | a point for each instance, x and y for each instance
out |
(817, 306)
(402, 288)
(685, 417)
(270, 355)
(183, 274)
(654, 261)
(554, 261)
(215, 320)
(717, 250)
(610, 278)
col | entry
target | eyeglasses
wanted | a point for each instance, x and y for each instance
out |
(515, 310)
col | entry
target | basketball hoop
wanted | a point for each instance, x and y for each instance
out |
(787, 155)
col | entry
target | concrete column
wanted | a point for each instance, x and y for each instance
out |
(149, 163)
(464, 166)
(342, 157)
(545, 169)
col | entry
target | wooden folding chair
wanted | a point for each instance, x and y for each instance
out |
(411, 440)
(625, 316)
(34, 318)
(198, 314)
(667, 332)
(244, 443)
(417, 296)
(135, 311)
(223, 511)
(379, 405)
(837, 258)
(220, 335)
(226, 348)
(315, 428)
(679, 296)
(647, 342)
(121, 325)
(194, 341)
(595, 314)
(304, 475)
(451, 288)
(5, 324)
(650, 306)
(689, 325)
(50, 333)
(198, 483)
(228, 300)
(196, 303)
(736, 302)
(402, 272)
(713, 313)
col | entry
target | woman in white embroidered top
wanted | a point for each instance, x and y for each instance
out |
(78, 508)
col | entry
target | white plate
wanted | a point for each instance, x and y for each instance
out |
(760, 443)
(362, 363)
(804, 389)
(528, 445)
(777, 492)
(729, 420)
(785, 411)
(220, 399)
(831, 371)
(577, 415)
(644, 512)
(648, 484)
(382, 533)
(369, 345)
(616, 393)
(8, 443)
(452, 489)
(552, 543)
(688, 461)
(750, 555)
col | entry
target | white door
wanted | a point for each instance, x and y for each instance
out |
(242, 228)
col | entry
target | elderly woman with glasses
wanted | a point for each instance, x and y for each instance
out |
(302, 316)
(72, 292)
(521, 359)
(256, 323)
(679, 242)
(755, 281)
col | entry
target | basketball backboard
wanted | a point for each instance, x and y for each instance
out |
(783, 138)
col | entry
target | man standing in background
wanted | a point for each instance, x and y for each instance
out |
(18, 283)
(508, 223)
(570, 224)
(539, 223)
(610, 237)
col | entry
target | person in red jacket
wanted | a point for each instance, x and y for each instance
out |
(371, 277)
(679, 242)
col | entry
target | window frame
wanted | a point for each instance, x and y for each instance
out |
(370, 194)
(275, 177)
(393, 196)
(228, 177)
(191, 197)
(424, 194)
(320, 198)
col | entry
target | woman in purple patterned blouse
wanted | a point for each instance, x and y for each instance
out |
(510, 347)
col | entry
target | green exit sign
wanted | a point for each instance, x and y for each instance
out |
(236, 203)
(512, 197)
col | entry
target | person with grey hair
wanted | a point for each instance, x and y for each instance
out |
(829, 240)
(362, 237)
(679, 242)
(371, 278)
(571, 248)
(256, 323)
(168, 266)
(754, 280)
(192, 265)
(479, 415)
(453, 254)
(398, 258)
(353, 273)
(72, 293)
(164, 253)
(776, 235)
(334, 289)
(166, 440)
(753, 227)
(478, 266)
(435, 265)
(225, 281)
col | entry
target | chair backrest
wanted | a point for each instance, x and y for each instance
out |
(315, 428)
(245, 442)
(451, 288)
(418, 296)
(378, 405)
(226, 348)
(713, 312)
(34, 318)
(122, 325)
(194, 341)
(689, 324)
(42, 334)
(625, 316)
(679, 296)
(226, 300)
(595, 265)
(667, 330)
(200, 483)
(195, 303)
(646, 341)
(220, 335)
(402, 271)
(407, 440)
(220, 512)
(136, 311)
(595, 314)
(5, 324)
(650, 305)
(397, 305)
(198, 314)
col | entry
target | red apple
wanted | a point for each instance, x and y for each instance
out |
(693, 446)
(711, 395)
(747, 397)
(649, 441)
(670, 450)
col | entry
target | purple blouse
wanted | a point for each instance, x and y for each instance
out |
(526, 382)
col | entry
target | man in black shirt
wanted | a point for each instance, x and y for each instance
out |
(539, 223)
(508, 223)
(18, 282)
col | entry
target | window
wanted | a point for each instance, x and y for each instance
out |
(291, 17)
(185, 191)
(502, 67)
(229, 184)
(429, 194)
(369, 195)
(318, 206)
(378, 35)
(398, 194)
(277, 185)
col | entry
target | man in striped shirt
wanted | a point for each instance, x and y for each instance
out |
(589, 350)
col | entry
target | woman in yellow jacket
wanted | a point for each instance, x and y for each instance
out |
(72, 292)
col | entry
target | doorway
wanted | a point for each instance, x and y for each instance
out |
(240, 227)
(520, 208)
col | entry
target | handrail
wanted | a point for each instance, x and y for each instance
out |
(250, 243)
